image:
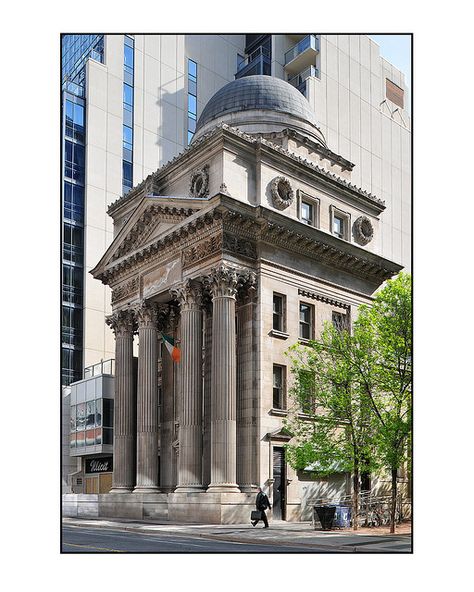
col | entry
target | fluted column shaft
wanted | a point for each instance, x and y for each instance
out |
(147, 401)
(206, 439)
(223, 388)
(190, 424)
(246, 410)
(167, 423)
(125, 408)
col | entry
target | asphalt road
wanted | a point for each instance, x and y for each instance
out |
(77, 539)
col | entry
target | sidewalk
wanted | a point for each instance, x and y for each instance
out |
(279, 533)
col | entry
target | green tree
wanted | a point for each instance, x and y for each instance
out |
(385, 366)
(356, 391)
(334, 428)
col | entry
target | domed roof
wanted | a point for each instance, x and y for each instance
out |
(258, 99)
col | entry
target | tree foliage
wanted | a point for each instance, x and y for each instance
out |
(355, 391)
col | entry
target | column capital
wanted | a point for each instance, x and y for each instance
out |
(222, 281)
(146, 314)
(188, 294)
(122, 322)
(247, 286)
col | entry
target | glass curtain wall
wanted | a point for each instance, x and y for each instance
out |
(128, 83)
(75, 50)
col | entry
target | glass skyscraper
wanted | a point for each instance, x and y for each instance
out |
(76, 49)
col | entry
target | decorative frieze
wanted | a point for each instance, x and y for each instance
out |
(126, 289)
(239, 246)
(202, 250)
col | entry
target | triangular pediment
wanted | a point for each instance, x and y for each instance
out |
(152, 218)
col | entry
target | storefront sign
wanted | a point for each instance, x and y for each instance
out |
(99, 465)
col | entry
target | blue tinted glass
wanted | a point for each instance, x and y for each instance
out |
(191, 124)
(192, 87)
(128, 56)
(128, 77)
(127, 117)
(69, 111)
(192, 104)
(192, 68)
(127, 171)
(127, 135)
(127, 94)
(79, 114)
(190, 137)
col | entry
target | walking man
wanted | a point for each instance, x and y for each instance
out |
(262, 502)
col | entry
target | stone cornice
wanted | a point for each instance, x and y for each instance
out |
(315, 146)
(254, 224)
(152, 182)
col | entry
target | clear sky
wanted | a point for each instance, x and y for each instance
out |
(397, 50)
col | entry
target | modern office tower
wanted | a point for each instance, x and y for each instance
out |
(131, 103)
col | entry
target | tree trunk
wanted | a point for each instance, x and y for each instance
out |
(394, 501)
(355, 498)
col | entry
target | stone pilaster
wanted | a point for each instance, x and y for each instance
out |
(125, 404)
(222, 283)
(247, 450)
(189, 296)
(147, 400)
(168, 456)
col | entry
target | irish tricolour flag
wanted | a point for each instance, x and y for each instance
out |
(171, 347)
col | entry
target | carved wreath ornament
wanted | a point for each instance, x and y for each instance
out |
(363, 230)
(282, 192)
(199, 182)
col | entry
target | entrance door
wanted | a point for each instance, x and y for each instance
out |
(279, 484)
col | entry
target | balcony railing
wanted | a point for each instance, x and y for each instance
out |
(299, 81)
(308, 42)
(103, 367)
(258, 62)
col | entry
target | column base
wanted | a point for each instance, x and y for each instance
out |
(119, 489)
(190, 489)
(248, 488)
(145, 489)
(223, 488)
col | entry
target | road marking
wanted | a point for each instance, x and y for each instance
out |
(95, 548)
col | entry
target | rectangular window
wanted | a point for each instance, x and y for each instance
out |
(74, 202)
(339, 321)
(279, 379)
(338, 226)
(278, 312)
(306, 321)
(307, 213)
(306, 391)
(192, 99)
(74, 161)
(73, 243)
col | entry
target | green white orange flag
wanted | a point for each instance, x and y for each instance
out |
(171, 347)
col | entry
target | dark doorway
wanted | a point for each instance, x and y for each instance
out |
(279, 484)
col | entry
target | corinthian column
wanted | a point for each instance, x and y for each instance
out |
(246, 375)
(223, 285)
(189, 297)
(147, 400)
(125, 407)
(167, 455)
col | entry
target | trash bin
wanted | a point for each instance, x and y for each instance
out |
(325, 515)
(342, 517)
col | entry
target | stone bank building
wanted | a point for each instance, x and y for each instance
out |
(245, 243)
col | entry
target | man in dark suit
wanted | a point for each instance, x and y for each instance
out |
(262, 502)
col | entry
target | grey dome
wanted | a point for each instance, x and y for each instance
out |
(257, 99)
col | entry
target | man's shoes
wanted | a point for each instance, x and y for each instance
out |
(254, 523)
(265, 527)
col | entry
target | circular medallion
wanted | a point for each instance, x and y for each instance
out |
(199, 182)
(363, 230)
(282, 193)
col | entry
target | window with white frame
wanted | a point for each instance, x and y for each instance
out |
(308, 209)
(279, 387)
(340, 223)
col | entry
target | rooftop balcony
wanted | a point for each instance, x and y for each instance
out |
(302, 55)
(258, 62)
(299, 81)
